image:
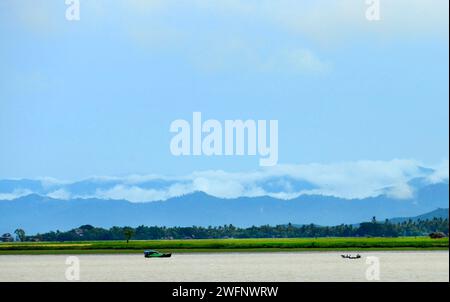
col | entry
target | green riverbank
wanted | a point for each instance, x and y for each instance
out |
(226, 245)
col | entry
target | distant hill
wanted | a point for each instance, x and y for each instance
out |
(438, 213)
(36, 213)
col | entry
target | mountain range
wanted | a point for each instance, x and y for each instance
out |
(38, 213)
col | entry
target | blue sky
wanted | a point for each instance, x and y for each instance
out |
(97, 96)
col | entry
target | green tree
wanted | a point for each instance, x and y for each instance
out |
(20, 233)
(128, 232)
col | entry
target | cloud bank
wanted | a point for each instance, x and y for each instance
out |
(360, 179)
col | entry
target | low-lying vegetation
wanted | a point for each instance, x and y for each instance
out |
(365, 229)
(220, 245)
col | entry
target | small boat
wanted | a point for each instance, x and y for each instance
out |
(156, 254)
(351, 257)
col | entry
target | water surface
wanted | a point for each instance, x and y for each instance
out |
(315, 266)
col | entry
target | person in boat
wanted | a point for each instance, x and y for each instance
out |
(358, 256)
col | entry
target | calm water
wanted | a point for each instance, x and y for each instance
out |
(328, 266)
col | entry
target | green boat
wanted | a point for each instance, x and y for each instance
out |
(156, 254)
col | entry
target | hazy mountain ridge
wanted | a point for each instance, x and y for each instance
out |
(438, 213)
(399, 179)
(36, 213)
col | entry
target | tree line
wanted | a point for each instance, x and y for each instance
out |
(366, 229)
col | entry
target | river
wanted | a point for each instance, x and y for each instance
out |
(305, 266)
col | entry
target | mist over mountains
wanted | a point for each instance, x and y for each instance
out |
(348, 180)
(36, 213)
(322, 194)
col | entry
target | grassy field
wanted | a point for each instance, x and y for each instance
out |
(226, 245)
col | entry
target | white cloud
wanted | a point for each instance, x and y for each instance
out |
(355, 179)
(50, 182)
(440, 173)
(133, 194)
(60, 194)
(229, 188)
(15, 194)
(400, 191)
(350, 180)
(359, 179)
